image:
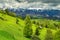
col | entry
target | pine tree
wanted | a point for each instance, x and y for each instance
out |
(28, 27)
(37, 31)
(49, 35)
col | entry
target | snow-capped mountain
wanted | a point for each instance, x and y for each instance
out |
(50, 13)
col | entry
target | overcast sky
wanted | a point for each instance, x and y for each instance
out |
(42, 4)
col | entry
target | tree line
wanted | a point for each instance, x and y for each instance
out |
(28, 31)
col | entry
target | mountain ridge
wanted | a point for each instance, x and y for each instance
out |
(50, 13)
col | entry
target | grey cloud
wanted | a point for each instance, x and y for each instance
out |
(50, 2)
(31, 3)
(18, 1)
(45, 1)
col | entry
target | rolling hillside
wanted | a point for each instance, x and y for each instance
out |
(9, 30)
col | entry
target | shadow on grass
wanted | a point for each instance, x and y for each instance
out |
(6, 35)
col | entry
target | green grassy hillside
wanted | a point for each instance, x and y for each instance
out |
(10, 30)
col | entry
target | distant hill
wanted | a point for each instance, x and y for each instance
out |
(34, 13)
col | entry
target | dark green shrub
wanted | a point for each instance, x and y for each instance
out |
(10, 13)
(35, 38)
(1, 18)
(17, 21)
(37, 31)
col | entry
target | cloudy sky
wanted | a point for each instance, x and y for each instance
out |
(39, 4)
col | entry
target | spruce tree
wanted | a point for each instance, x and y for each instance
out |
(57, 35)
(49, 35)
(28, 27)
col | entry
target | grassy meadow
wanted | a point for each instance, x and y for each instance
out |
(14, 28)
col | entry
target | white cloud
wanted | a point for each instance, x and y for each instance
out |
(58, 7)
(26, 4)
